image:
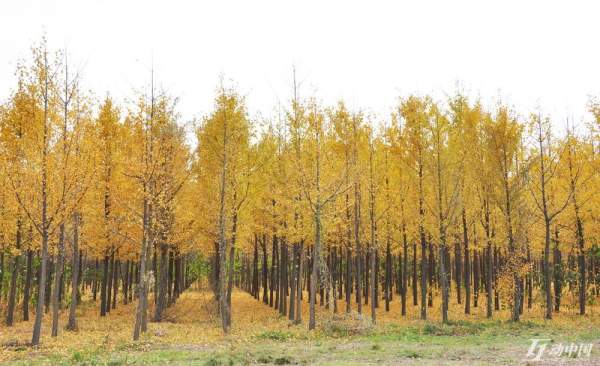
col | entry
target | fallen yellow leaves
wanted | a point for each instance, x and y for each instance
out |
(192, 324)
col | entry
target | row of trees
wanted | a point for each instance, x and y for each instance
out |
(343, 203)
(334, 202)
(90, 194)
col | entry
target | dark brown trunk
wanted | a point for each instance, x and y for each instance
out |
(104, 287)
(265, 270)
(115, 282)
(476, 279)
(27, 289)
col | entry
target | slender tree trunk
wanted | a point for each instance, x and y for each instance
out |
(177, 277)
(348, 277)
(292, 310)
(230, 269)
(358, 248)
(444, 279)
(265, 271)
(488, 279)
(558, 273)
(495, 272)
(142, 288)
(578, 234)
(298, 318)
(254, 287)
(273, 266)
(373, 285)
(72, 325)
(51, 272)
(161, 294)
(547, 271)
(284, 278)
(458, 271)
(39, 313)
(404, 273)
(27, 289)
(430, 274)
(57, 281)
(14, 277)
(115, 281)
(13, 287)
(104, 287)
(530, 275)
(170, 270)
(476, 280)
(388, 276)
(414, 274)
(467, 264)
(367, 273)
(315, 267)
(275, 271)
(109, 285)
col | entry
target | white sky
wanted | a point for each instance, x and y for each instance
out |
(367, 52)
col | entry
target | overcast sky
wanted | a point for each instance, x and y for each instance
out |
(366, 52)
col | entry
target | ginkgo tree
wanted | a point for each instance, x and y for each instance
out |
(109, 202)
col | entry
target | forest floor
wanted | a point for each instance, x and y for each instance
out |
(190, 335)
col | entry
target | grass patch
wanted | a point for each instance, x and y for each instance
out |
(411, 354)
(275, 335)
(264, 359)
(457, 328)
(346, 325)
(283, 360)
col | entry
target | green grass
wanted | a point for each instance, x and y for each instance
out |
(487, 342)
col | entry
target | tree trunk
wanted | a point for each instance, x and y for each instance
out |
(109, 285)
(13, 287)
(458, 271)
(170, 270)
(10, 311)
(115, 281)
(488, 279)
(298, 319)
(57, 281)
(265, 271)
(423, 278)
(388, 276)
(348, 278)
(39, 312)
(273, 268)
(315, 267)
(142, 288)
(104, 287)
(358, 273)
(467, 264)
(292, 310)
(495, 272)
(72, 325)
(558, 273)
(476, 280)
(414, 274)
(430, 274)
(27, 289)
(276, 271)
(161, 302)
(547, 271)
(444, 265)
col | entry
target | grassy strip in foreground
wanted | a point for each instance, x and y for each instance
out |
(489, 342)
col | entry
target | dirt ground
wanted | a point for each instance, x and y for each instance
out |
(191, 334)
